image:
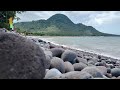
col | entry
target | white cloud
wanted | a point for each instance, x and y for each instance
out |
(105, 17)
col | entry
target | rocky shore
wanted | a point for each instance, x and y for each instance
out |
(66, 63)
(23, 57)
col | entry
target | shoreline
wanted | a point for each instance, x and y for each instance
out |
(77, 49)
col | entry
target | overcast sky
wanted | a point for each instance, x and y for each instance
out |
(104, 21)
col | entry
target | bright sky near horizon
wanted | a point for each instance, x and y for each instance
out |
(104, 21)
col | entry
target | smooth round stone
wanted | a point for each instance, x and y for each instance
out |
(68, 66)
(103, 69)
(91, 62)
(78, 60)
(109, 75)
(115, 72)
(69, 55)
(76, 75)
(52, 73)
(58, 64)
(94, 71)
(57, 52)
(79, 66)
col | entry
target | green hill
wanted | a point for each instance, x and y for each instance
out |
(57, 25)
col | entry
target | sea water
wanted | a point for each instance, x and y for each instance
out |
(107, 46)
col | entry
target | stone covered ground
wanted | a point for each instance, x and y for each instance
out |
(66, 63)
(24, 57)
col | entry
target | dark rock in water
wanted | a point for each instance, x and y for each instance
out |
(103, 69)
(76, 75)
(108, 70)
(57, 52)
(69, 55)
(78, 60)
(58, 64)
(94, 71)
(20, 58)
(79, 66)
(115, 72)
(68, 66)
(52, 73)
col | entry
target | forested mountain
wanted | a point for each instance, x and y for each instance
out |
(58, 25)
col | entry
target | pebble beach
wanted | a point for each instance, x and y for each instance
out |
(67, 63)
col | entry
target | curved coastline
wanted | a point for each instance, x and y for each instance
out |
(77, 49)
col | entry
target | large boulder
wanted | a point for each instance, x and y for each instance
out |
(115, 72)
(68, 66)
(58, 64)
(52, 73)
(94, 71)
(57, 52)
(20, 58)
(103, 69)
(69, 55)
(79, 66)
(78, 60)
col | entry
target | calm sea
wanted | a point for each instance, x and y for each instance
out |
(107, 46)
